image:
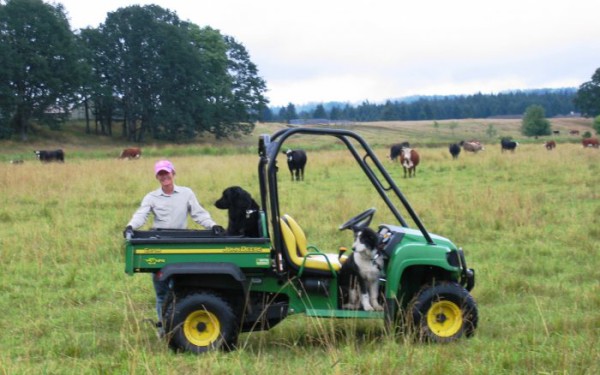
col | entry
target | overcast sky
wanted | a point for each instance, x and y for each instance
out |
(351, 51)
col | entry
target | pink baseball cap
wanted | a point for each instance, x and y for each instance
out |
(163, 165)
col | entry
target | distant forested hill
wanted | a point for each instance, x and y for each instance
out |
(556, 102)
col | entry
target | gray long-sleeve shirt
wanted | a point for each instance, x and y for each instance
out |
(170, 211)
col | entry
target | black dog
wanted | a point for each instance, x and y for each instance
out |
(242, 212)
(359, 275)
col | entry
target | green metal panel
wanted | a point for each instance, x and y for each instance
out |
(151, 257)
(415, 254)
(312, 304)
(129, 259)
(300, 300)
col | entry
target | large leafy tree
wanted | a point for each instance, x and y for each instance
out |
(39, 65)
(534, 122)
(97, 92)
(211, 96)
(173, 79)
(135, 39)
(587, 99)
(247, 87)
(183, 77)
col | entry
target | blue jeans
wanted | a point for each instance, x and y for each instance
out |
(161, 288)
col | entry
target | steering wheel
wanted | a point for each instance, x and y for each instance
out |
(364, 219)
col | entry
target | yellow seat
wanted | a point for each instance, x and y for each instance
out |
(302, 244)
(313, 260)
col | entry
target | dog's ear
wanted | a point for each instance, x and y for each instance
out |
(356, 230)
(371, 237)
(242, 198)
(230, 193)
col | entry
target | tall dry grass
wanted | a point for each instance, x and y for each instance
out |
(528, 222)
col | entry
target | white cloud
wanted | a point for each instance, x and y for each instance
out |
(350, 50)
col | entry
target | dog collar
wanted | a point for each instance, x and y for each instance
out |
(374, 261)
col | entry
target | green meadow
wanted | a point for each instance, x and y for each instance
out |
(529, 223)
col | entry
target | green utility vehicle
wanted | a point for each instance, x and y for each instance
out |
(221, 286)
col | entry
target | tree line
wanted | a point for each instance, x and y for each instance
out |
(161, 77)
(554, 102)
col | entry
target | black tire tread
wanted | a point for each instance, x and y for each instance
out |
(216, 304)
(444, 290)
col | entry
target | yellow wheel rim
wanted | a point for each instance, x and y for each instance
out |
(201, 328)
(444, 318)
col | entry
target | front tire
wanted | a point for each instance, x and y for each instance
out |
(443, 313)
(200, 322)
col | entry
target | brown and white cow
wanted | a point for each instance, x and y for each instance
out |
(131, 153)
(549, 145)
(409, 159)
(472, 146)
(590, 142)
(396, 150)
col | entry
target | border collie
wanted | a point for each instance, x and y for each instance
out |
(359, 275)
(242, 212)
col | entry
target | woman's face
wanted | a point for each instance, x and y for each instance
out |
(165, 178)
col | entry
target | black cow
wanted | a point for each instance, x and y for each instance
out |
(396, 149)
(47, 156)
(507, 144)
(296, 160)
(454, 150)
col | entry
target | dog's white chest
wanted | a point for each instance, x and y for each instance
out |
(367, 268)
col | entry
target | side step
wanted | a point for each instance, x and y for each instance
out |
(360, 314)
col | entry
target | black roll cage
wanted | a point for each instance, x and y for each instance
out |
(269, 147)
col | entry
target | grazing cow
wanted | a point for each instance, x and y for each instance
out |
(454, 150)
(574, 132)
(472, 146)
(557, 132)
(47, 156)
(396, 149)
(131, 153)
(507, 144)
(296, 160)
(409, 159)
(590, 142)
(549, 145)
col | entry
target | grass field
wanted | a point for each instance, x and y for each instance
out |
(529, 222)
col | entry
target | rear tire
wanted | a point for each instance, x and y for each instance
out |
(200, 322)
(443, 313)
